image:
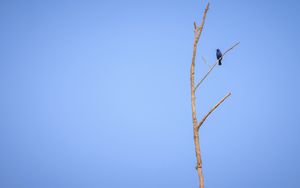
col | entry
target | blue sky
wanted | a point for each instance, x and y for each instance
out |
(96, 94)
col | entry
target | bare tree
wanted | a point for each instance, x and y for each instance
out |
(196, 124)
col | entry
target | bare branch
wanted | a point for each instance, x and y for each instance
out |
(199, 83)
(216, 106)
(229, 49)
(205, 75)
(195, 26)
(196, 125)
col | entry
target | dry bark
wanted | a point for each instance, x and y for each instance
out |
(196, 125)
(197, 32)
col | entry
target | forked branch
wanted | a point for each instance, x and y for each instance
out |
(198, 30)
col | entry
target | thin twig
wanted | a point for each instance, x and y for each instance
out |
(216, 106)
(215, 65)
(229, 49)
(204, 60)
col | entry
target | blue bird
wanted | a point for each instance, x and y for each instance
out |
(219, 55)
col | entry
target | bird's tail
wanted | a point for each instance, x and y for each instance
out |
(220, 62)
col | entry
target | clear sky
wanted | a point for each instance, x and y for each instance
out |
(95, 94)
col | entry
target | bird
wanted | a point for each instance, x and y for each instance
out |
(219, 56)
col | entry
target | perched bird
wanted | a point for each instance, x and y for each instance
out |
(219, 55)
